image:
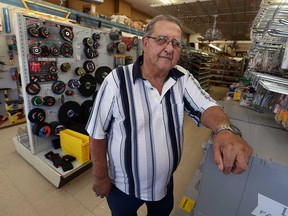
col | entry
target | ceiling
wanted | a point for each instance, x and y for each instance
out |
(234, 18)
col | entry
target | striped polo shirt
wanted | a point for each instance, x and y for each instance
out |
(145, 129)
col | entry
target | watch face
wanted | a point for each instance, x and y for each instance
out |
(235, 129)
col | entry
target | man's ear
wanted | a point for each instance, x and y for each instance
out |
(144, 41)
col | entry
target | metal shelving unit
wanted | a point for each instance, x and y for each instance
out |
(199, 65)
(225, 73)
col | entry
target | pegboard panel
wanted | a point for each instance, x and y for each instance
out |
(62, 60)
(7, 79)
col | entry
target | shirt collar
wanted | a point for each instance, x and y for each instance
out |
(173, 73)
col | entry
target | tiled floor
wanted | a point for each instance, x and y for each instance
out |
(25, 192)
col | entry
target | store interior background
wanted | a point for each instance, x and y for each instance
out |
(233, 18)
(24, 191)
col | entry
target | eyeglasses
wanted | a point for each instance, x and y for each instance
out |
(163, 40)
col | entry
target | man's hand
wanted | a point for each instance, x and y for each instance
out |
(101, 186)
(231, 152)
(101, 181)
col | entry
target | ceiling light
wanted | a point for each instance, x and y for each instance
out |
(213, 33)
(166, 2)
(215, 47)
(169, 2)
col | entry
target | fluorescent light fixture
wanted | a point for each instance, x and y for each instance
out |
(215, 47)
(166, 1)
(169, 2)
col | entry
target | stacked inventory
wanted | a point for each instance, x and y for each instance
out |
(225, 71)
(198, 63)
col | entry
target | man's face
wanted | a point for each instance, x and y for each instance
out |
(164, 56)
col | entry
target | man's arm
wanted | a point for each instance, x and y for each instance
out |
(231, 152)
(101, 180)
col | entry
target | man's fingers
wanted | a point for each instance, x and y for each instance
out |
(99, 196)
(101, 187)
(218, 159)
(231, 155)
(225, 157)
(237, 170)
(241, 163)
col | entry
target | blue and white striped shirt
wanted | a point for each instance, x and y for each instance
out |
(145, 129)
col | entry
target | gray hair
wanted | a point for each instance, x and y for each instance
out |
(151, 24)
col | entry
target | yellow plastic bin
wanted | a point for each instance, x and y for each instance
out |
(237, 95)
(75, 144)
(16, 116)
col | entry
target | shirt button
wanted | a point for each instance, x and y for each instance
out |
(151, 88)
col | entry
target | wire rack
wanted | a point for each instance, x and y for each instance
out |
(22, 137)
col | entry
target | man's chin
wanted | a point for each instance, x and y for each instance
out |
(166, 66)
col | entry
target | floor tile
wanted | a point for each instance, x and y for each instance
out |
(87, 197)
(12, 201)
(23, 209)
(58, 203)
(79, 183)
(11, 132)
(6, 146)
(81, 211)
(12, 160)
(102, 209)
(142, 211)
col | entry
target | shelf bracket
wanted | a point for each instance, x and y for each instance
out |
(38, 3)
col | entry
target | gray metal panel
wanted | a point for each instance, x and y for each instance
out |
(237, 195)
(268, 179)
(219, 194)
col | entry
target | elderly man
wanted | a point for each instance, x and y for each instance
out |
(136, 126)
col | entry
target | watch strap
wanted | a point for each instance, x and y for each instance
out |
(230, 127)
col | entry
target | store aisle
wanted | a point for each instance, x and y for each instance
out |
(23, 191)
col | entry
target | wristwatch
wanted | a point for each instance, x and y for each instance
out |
(230, 127)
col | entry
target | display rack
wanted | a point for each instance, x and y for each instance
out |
(203, 73)
(225, 71)
(274, 88)
(76, 53)
(271, 94)
(198, 63)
